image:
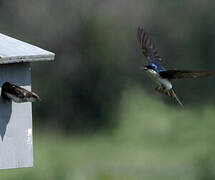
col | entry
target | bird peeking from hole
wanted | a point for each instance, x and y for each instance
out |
(17, 94)
(157, 72)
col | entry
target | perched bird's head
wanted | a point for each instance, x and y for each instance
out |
(17, 93)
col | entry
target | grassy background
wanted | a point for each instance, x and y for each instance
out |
(98, 119)
(152, 141)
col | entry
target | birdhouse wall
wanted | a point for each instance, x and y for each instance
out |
(16, 149)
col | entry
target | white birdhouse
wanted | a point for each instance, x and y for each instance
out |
(16, 147)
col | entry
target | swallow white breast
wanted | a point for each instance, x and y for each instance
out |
(160, 81)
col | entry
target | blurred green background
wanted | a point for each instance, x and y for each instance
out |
(100, 118)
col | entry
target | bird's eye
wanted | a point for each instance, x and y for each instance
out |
(153, 66)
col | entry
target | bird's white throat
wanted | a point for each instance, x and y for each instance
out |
(160, 81)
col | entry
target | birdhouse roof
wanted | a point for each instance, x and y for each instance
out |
(16, 51)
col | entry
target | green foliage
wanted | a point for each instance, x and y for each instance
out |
(97, 56)
(164, 143)
(95, 87)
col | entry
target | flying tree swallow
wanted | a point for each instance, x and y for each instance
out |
(157, 72)
(17, 94)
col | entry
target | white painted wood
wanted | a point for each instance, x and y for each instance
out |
(16, 149)
(15, 51)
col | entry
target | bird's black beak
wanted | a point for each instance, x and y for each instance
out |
(143, 68)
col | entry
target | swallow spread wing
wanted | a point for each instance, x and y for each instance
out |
(147, 46)
(17, 94)
(178, 74)
(159, 74)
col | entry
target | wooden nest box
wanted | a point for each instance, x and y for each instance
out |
(16, 148)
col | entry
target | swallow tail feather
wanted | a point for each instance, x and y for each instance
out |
(170, 93)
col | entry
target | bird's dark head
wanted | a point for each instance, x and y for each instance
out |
(149, 67)
(6, 84)
(156, 67)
